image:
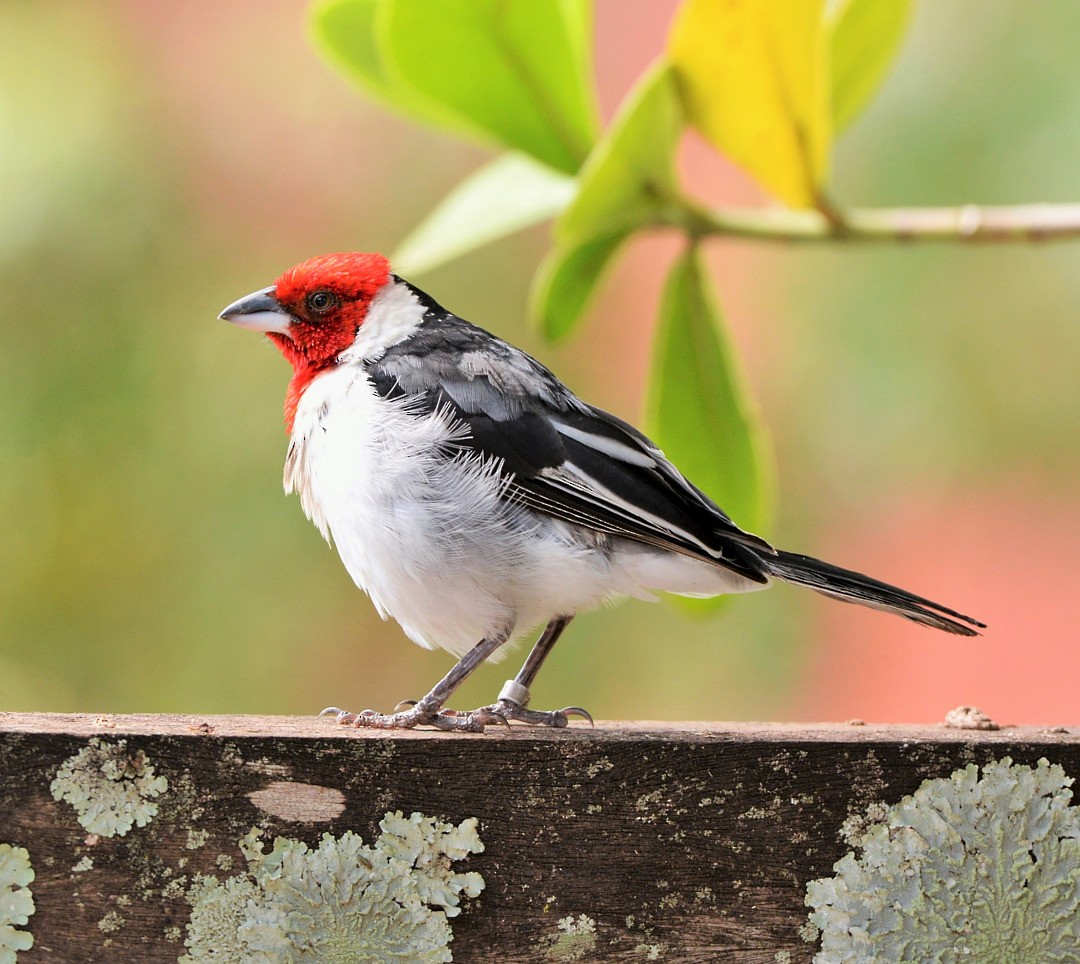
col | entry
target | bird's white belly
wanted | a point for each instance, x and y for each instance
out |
(428, 537)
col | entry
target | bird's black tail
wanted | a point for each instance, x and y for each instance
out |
(853, 587)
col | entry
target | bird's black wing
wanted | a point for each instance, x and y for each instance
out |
(561, 457)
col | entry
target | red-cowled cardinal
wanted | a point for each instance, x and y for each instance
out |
(473, 496)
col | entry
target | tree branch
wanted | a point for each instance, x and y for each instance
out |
(969, 223)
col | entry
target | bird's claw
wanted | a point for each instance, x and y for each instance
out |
(556, 719)
(578, 711)
(344, 717)
(487, 716)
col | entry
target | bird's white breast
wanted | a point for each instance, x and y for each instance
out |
(420, 523)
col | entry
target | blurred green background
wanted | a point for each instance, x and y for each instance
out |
(158, 160)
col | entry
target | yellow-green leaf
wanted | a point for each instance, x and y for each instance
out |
(865, 37)
(698, 409)
(345, 31)
(627, 180)
(515, 71)
(567, 281)
(754, 79)
(630, 174)
(506, 195)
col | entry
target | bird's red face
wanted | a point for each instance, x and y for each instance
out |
(313, 312)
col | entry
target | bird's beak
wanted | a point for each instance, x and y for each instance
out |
(259, 311)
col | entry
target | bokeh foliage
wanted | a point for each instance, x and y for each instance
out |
(159, 160)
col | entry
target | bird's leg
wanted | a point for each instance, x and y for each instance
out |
(544, 645)
(429, 710)
(514, 696)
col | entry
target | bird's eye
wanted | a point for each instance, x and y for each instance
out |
(321, 301)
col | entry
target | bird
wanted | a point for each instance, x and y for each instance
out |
(474, 497)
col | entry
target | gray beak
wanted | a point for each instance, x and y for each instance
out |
(259, 311)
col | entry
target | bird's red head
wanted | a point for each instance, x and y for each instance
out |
(327, 299)
(313, 312)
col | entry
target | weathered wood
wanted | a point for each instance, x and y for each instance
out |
(688, 842)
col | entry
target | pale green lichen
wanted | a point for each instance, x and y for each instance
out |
(574, 939)
(16, 902)
(111, 923)
(340, 902)
(175, 889)
(967, 869)
(110, 788)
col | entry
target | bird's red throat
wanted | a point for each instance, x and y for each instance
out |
(305, 371)
(303, 375)
(317, 336)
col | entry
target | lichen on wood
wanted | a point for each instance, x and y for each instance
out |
(16, 902)
(340, 903)
(974, 868)
(674, 842)
(574, 939)
(110, 788)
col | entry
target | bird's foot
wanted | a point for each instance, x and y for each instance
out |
(418, 715)
(557, 719)
(511, 705)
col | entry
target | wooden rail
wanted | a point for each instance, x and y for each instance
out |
(148, 838)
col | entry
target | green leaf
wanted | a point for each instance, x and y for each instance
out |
(567, 280)
(345, 32)
(630, 175)
(627, 182)
(506, 195)
(866, 35)
(515, 71)
(698, 409)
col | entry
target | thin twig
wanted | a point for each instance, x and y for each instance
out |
(969, 223)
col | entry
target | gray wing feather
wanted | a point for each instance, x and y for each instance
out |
(562, 457)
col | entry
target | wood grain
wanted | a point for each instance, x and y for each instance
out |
(688, 842)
